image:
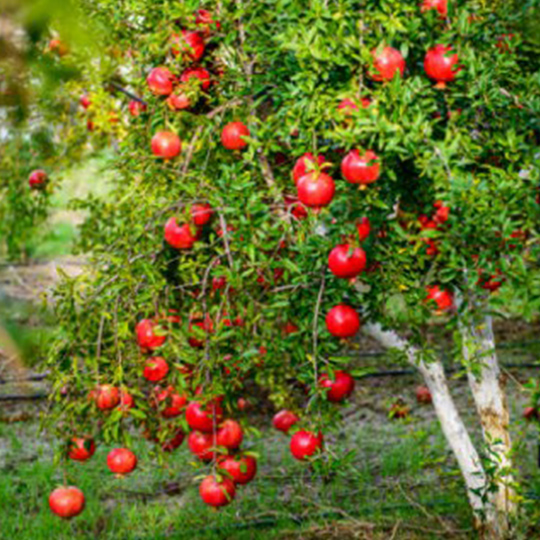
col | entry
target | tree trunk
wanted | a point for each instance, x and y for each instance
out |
(451, 423)
(487, 386)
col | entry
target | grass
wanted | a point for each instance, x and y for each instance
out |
(390, 474)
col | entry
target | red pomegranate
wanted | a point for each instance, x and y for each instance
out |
(196, 338)
(121, 461)
(197, 73)
(305, 164)
(346, 261)
(201, 445)
(205, 20)
(58, 47)
(423, 395)
(242, 469)
(230, 434)
(155, 369)
(107, 397)
(149, 335)
(174, 403)
(85, 101)
(305, 444)
(190, 45)
(441, 6)
(178, 100)
(443, 298)
(284, 420)
(201, 214)
(179, 236)
(387, 62)
(347, 106)
(342, 321)
(37, 179)
(232, 136)
(160, 81)
(441, 66)
(492, 282)
(126, 401)
(67, 502)
(136, 108)
(339, 388)
(531, 413)
(204, 417)
(442, 213)
(316, 189)
(81, 448)
(166, 144)
(174, 442)
(361, 169)
(364, 228)
(216, 492)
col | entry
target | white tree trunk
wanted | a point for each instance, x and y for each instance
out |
(451, 423)
(487, 386)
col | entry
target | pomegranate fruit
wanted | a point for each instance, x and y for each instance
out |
(37, 179)
(199, 74)
(201, 445)
(232, 136)
(81, 448)
(174, 442)
(443, 298)
(136, 108)
(178, 100)
(347, 106)
(339, 388)
(284, 420)
(171, 402)
(107, 397)
(149, 335)
(441, 6)
(205, 327)
(85, 101)
(205, 20)
(230, 435)
(346, 261)
(166, 144)
(201, 214)
(155, 369)
(160, 81)
(242, 469)
(67, 502)
(204, 417)
(305, 444)
(121, 461)
(316, 189)
(441, 66)
(126, 401)
(423, 395)
(189, 44)
(305, 164)
(364, 228)
(342, 321)
(387, 62)
(361, 169)
(216, 492)
(179, 236)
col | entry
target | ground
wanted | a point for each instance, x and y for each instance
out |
(396, 479)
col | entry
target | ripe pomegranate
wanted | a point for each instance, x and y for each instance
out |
(290, 328)
(81, 448)
(160, 81)
(441, 6)
(364, 228)
(126, 401)
(348, 105)
(206, 327)
(338, 389)
(242, 469)
(284, 420)
(85, 101)
(155, 369)
(216, 492)
(204, 417)
(190, 45)
(179, 236)
(441, 66)
(492, 282)
(342, 321)
(423, 395)
(174, 402)
(387, 62)
(346, 261)
(442, 213)
(232, 136)
(305, 164)
(230, 434)
(174, 442)
(443, 298)
(361, 169)
(304, 444)
(149, 335)
(136, 108)
(399, 411)
(198, 73)
(107, 397)
(58, 47)
(531, 413)
(316, 189)
(205, 20)
(166, 144)
(67, 502)
(37, 179)
(178, 100)
(201, 445)
(201, 214)
(121, 461)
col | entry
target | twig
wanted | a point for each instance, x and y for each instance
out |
(316, 324)
(127, 92)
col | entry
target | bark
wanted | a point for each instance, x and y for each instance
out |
(451, 423)
(487, 387)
